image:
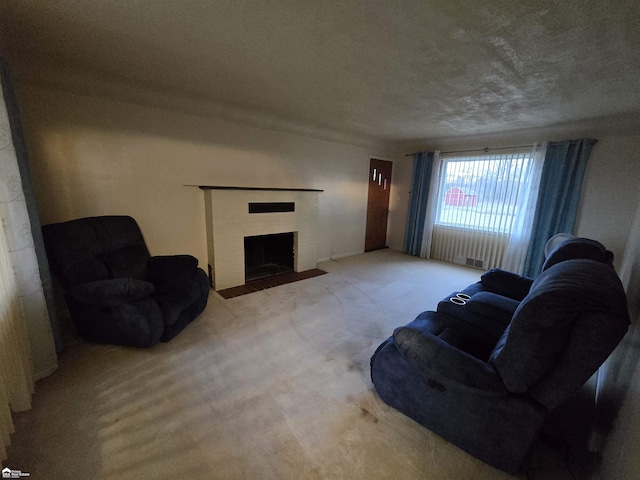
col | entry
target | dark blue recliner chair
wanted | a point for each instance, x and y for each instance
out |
(485, 374)
(116, 292)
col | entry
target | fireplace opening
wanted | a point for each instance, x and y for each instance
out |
(267, 255)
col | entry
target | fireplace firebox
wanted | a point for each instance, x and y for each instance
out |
(267, 255)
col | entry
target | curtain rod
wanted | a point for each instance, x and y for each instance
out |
(593, 141)
(485, 149)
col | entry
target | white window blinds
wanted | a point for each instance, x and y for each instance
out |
(481, 192)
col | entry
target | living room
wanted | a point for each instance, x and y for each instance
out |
(104, 143)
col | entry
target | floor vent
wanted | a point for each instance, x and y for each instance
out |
(473, 262)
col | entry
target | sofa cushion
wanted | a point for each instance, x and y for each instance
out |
(542, 323)
(455, 332)
(445, 349)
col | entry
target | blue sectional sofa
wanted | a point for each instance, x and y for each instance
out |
(485, 372)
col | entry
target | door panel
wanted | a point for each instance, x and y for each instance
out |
(378, 204)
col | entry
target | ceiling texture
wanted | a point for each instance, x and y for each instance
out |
(394, 70)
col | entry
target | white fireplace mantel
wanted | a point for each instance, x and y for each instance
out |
(228, 221)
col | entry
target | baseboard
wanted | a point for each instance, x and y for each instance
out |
(339, 256)
(344, 255)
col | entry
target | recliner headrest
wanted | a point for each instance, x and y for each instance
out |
(95, 248)
(575, 248)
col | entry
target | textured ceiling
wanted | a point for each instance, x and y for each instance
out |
(395, 70)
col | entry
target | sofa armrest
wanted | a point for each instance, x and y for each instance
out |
(112, 292)
(438, 361)
(162, 269)
(506, 283)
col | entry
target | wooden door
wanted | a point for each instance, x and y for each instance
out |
(378, 204)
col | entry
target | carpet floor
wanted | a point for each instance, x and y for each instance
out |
(269, 385)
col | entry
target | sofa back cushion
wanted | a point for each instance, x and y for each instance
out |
(543, 323)
(95, 248)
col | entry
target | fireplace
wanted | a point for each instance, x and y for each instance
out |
(266, 215)
(267, 255)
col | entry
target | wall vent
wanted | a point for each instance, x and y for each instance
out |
(474, 262)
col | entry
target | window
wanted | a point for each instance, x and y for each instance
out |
(481, 192)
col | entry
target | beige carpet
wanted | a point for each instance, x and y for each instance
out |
(270, 385)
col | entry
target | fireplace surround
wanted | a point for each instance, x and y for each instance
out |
(236, 213)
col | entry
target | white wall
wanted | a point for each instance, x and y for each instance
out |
(91, 156)
(610, 192)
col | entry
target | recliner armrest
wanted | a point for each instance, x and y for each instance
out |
(111, 292)
(506, 283)
(440, 362)
(494, 306)
(161, 269)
